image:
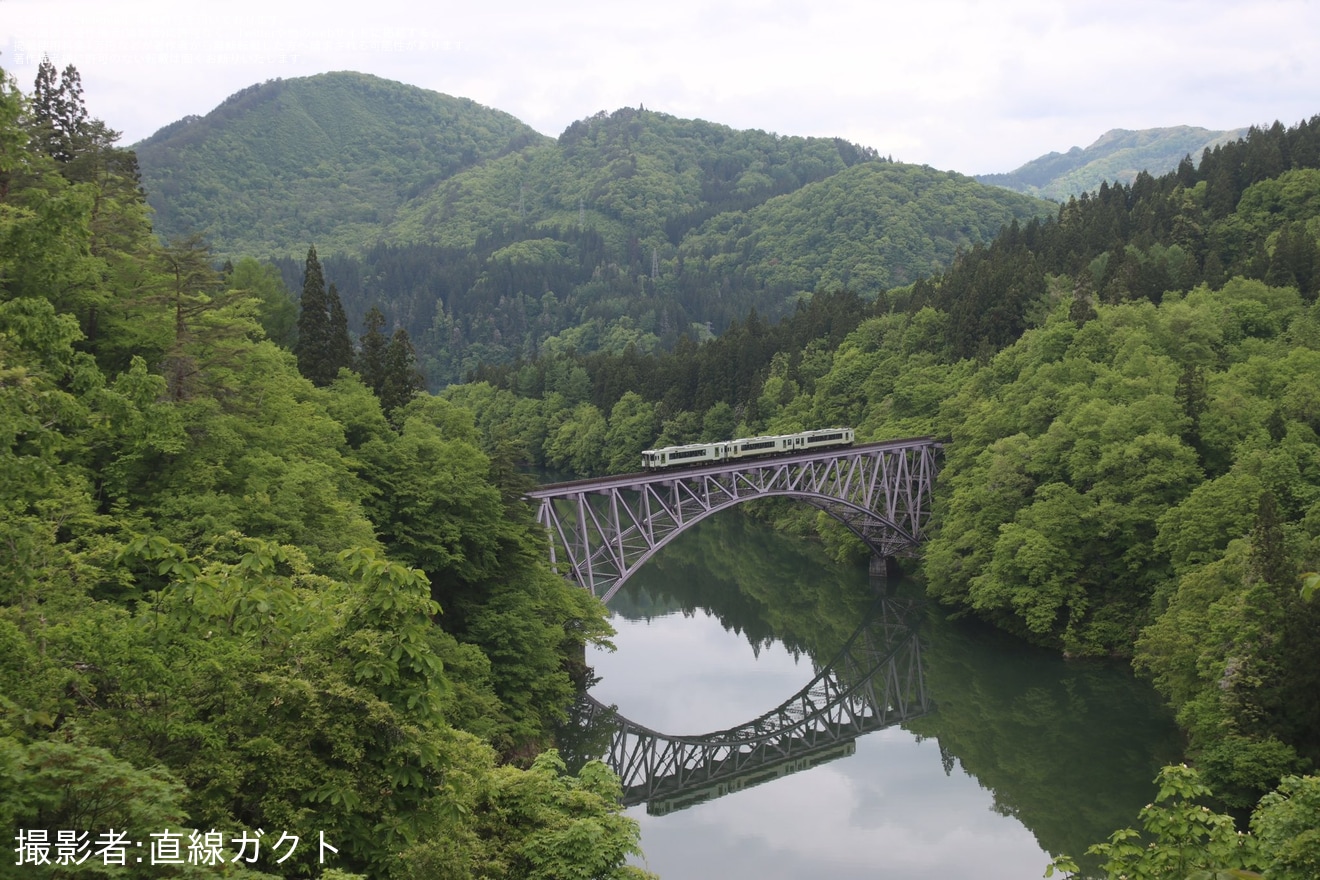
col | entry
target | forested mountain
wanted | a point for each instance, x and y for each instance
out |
(633, 227)
(325, 160)
(1129, 392)
(1118, 156)
(242, 610)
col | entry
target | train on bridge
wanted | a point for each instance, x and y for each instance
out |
(745, 447)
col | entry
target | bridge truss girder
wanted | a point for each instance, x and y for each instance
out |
(602, 532)
(876, 681)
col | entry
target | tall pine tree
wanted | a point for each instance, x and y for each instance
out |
(313, 345)
(59, 115)
(372, 349)
(339, 352)
(402, 380)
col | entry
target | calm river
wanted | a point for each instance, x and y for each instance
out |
(1021, 755)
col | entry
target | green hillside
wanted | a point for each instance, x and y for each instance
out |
(629, 174)
(328, 158)
(486, 242)
(518, 262)
(232, 599)
(1118, 156)
(868, 228)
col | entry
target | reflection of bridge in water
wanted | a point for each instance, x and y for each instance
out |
(601, 530)
(875, 681)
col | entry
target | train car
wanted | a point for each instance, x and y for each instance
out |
(745, 447)
(826, 437)
(684, 456)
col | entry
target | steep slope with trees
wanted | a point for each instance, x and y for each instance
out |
(239, 606)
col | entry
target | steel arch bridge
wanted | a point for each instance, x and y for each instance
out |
(875, 681)
(602, 530)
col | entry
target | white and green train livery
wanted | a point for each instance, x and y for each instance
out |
(745, 447)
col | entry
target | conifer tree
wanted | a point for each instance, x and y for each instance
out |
(372, 350)
(314, 325)
(12, 138)
(59, 115)
(339, 351)
(323, 344)
(402, 379)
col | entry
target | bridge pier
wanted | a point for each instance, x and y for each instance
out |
(883, 567)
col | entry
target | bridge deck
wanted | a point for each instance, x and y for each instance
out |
(640, 478)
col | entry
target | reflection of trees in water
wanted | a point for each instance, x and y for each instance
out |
(755, 582)
(874, 681)
(1068, 748)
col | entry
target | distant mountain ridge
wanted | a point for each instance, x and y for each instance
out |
(348, 160)
(1118, 155)
(489, 242)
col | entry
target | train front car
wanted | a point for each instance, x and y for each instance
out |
(826, 437)
(683, 456)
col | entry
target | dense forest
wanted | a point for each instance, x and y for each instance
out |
(487, 243)
(247, 618)
(1129, 389)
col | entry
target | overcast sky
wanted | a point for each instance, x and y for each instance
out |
(957, 84)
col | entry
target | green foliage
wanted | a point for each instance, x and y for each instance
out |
(1182, 839)
(540, 824)
(1285, 823)
(70, 785)
(576, 442)
(576, 829)
(1187, 837)
(632, 428)
(198, 624)
(277, 311)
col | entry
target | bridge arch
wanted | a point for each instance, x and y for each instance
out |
(863, 523)
(876, 680)
(602, 530)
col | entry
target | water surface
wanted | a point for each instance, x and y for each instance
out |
(1024, 755)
